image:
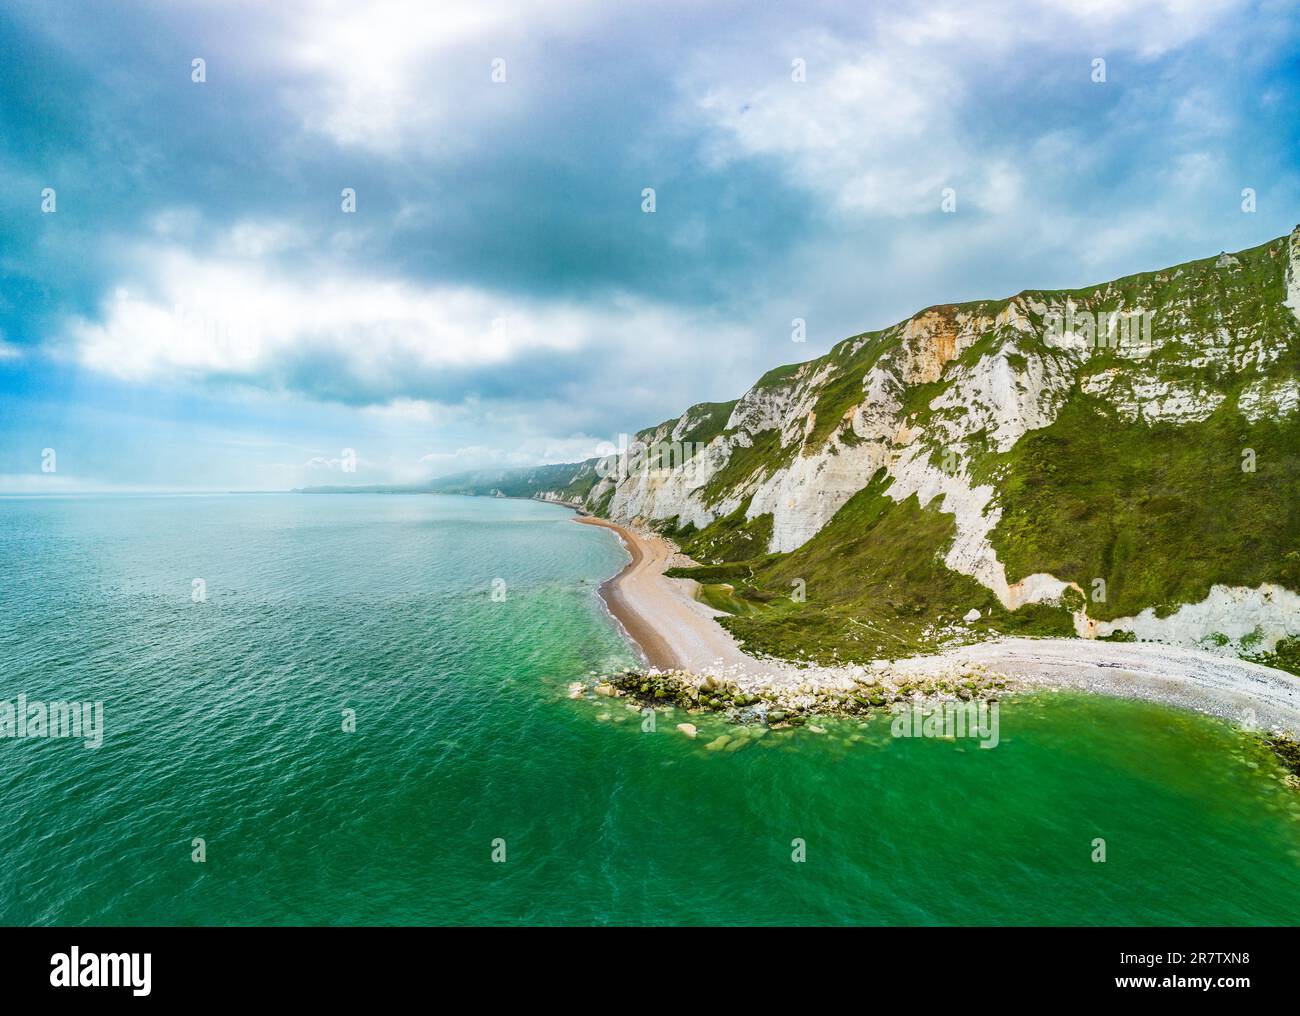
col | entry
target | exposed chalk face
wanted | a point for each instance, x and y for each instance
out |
(804, 496)
(1293, 272)
(1004, 400)
(1230, 619)
(1269, 399)
(1153, 399)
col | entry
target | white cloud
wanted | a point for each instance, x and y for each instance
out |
(887, 119)
(225, 317)
(389, 73)
(875, 130)
(388, 345)
(1147, 29)
(421, 412)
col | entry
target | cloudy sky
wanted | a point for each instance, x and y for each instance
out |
(198, 311)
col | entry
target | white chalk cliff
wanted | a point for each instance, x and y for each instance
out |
(931, 397)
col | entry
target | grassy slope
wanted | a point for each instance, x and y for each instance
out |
(1160, 512)
(731, 538)
(875, 586)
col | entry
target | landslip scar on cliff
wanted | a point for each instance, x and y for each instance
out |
(1119, 462)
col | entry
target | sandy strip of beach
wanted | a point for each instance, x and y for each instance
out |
(675, 631)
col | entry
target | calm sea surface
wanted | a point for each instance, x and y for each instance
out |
(224, 720)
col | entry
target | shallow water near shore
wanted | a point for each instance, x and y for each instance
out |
(224, 721)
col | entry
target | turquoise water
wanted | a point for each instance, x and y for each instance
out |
(224, 721)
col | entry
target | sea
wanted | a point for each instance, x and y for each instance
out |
(354, 709)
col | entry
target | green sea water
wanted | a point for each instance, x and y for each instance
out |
(224, 720)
